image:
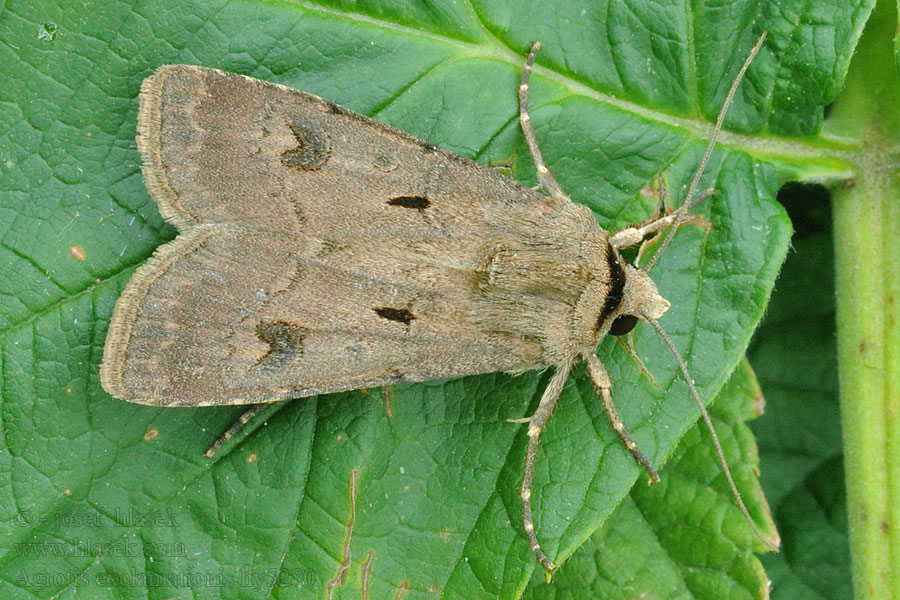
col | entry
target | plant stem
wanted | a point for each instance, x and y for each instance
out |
(867, 272)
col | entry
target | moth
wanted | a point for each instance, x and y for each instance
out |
(321, 251)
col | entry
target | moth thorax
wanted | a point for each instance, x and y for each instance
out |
(641, 296)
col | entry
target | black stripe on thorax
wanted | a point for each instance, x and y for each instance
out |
(616, 288)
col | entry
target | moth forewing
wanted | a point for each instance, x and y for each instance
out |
(343, 254)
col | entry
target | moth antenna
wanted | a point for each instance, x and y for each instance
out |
(690, 201)
(773, 546)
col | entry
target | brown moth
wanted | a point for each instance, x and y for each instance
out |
(338, 253)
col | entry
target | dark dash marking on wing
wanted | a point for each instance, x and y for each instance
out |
(417, 202)
(285, 342)
(312, 148)
(400, 315)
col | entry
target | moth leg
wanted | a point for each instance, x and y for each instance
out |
(245, 418)
(505, 167)
(537, 422)
(650, 242)
(629, 348)
(631, 236)
(548, 182)
(600, 379)
(666, 216)
(519, 420)
(662, 208)
(662, 204)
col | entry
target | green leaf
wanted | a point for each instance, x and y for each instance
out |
(108, 499)
(683, 538)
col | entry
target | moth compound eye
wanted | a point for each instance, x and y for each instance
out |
(623, 324)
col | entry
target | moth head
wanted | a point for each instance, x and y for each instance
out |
(640, 298)
(614, 306)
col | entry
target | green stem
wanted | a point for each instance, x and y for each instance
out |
(867, 265)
